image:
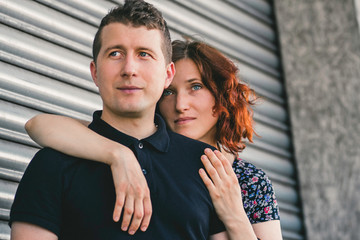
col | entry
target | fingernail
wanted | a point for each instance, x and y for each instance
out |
(143, 229)
(131, 232)
(207, 150)
(124, 228)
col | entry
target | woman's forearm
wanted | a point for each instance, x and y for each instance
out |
(72, 137)
(240, 229)
(225, 194)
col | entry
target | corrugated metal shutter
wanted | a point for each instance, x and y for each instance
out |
(45, 50)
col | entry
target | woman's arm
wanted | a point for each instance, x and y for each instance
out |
(72, 137)
(269, 230)
(225, 193)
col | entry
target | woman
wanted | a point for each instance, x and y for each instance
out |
(206, 102)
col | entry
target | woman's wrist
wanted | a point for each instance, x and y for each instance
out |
(240, 228)
(116, 153)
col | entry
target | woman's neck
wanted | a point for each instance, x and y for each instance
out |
(229, 156)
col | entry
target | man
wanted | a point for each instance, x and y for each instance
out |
(63, 197)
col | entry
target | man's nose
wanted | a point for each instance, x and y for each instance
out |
(129, 67)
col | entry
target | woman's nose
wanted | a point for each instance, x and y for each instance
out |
(182, 102)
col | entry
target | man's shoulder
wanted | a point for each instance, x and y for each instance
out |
(186, 148)
(47, 152)
(183, 140)
(48, 158)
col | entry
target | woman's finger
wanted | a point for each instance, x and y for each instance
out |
(127, 212)
(137, 217)
(119, 203)
(210, 169)
(131, 193)
(216, 162)
(207, 181)
(226, 173)
(225, 162)
(147, 213)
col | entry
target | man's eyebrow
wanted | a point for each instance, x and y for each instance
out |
(114, 47)
(140, 48)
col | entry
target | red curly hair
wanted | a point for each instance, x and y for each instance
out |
(233, 99)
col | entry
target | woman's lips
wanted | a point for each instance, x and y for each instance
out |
(184, 120)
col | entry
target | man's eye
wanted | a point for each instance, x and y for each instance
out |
(167, 92)
(115, 54)
(143, 54)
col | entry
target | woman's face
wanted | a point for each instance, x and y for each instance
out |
(187, 105)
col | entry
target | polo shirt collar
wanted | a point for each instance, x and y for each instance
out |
(159, 140)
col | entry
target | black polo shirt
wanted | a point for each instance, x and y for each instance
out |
(74, 198)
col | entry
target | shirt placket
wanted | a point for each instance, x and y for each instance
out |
(141, 152)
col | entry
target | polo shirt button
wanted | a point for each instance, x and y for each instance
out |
(144, 171)
(141, 145)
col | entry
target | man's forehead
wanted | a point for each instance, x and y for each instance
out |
(118, 33)
(129, 30)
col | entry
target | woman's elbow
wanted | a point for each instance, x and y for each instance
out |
(29, 124)
(32, 123)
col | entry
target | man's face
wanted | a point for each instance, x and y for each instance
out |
(130, 72)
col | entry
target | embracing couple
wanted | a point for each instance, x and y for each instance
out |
(163, 148)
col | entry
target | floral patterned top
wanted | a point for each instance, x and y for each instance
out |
(257, 192)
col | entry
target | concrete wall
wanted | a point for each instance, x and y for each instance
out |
(320, 44)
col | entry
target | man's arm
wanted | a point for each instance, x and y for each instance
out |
(27, 231)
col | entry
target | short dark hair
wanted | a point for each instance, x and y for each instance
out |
(136, 13)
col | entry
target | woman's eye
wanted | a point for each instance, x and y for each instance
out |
(196, 87)
(167, 92)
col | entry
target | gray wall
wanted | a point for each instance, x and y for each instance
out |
(320, 46)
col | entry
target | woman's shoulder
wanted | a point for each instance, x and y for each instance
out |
(259, 198)
(245, 170)
(251, 177)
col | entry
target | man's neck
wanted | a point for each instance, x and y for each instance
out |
(137, 127)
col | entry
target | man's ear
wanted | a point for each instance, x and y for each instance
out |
(94, 72)
(170, 73)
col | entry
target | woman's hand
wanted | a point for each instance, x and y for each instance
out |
(74, 138)
(132, 192)
(225, 193)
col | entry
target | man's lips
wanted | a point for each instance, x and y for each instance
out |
(129, 89)
(184, 120)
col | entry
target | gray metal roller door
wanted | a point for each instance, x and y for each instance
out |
(45, 50)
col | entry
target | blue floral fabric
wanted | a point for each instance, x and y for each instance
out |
(257, 192)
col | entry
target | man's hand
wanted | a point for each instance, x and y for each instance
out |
(132, 192)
